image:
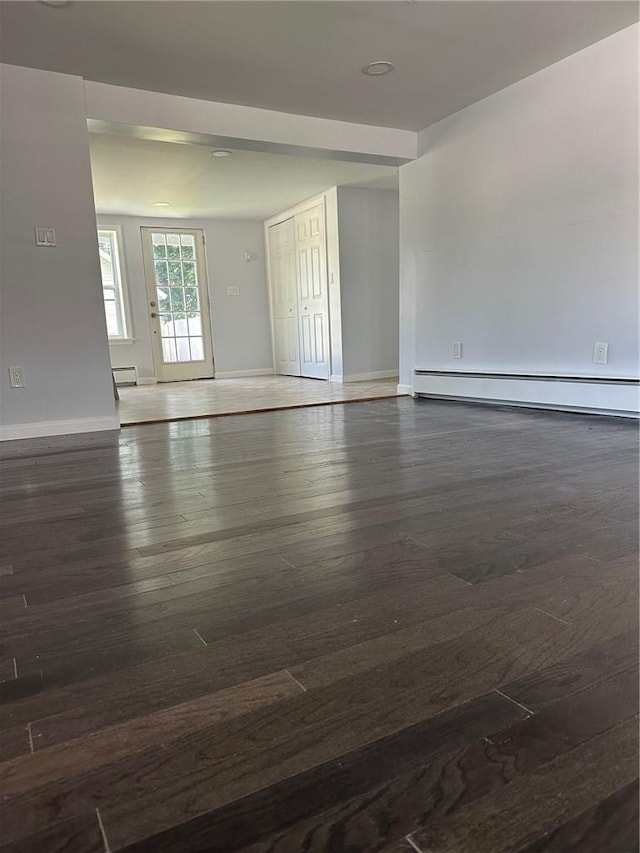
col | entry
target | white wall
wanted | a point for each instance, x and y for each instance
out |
(52, 316)
(241, 325)
(519, 224)
(368, 240)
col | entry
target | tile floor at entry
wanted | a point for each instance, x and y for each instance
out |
(173, 401)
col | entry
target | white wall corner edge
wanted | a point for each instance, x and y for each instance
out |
(239, 374)
(45, 428)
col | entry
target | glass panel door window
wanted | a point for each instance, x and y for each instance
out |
(112, 283)
(176, 277)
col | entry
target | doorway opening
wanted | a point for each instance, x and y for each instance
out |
(250, 288)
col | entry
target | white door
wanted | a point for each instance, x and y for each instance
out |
(178, 298)
(313, 303)
(284, 297)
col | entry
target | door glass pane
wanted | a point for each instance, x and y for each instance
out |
(197, 349)
(164, 299)
(189, 272)
(162, 276)
(184, 353)
(175, 273)
(169, 350)
(176, 278)
(166, 326)
(177, 299)
(159, 245)
(195, 324)
(191, 299)
(188, 247)
(173, 246)
(181, 325)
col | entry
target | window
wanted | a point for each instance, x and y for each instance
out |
(112, 283)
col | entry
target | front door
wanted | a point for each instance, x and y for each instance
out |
(313, 303)
(178, 302)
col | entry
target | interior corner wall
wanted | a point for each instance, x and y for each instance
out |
(369, 287)
(52, 314)
(240, 324)
(519, 225)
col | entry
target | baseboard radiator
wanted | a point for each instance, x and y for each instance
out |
(597, 394)
(125, 375)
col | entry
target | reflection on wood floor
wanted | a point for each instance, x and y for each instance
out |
(390, 626)
(172, 401)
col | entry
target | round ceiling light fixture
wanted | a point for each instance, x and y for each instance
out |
(378, 67)
(162, 204)
(221, 152)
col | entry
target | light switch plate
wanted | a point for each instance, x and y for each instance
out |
(45, 236)
(457, 349)
(233, 291)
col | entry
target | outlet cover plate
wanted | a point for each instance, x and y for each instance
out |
(16, 377)
(600, 352)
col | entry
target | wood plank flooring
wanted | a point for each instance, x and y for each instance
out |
(391, 626)
(175, 401)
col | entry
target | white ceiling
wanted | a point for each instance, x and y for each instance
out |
(130, 174)
(305, 57)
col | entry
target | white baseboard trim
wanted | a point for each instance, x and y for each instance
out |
(369, 377)
(46, 428)
(598, 395)
(336, 377)
(405, 389)
(147, 380)
(238, 374)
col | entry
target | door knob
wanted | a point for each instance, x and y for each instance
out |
(153, 314)
(152, 304)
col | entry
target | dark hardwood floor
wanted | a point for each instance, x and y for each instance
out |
(387, 626)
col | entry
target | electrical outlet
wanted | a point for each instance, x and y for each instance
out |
(457, 349)
(233, 291)
(600, 352)
(16, 377)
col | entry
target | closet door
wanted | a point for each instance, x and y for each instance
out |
(313, 303)
(284, 297)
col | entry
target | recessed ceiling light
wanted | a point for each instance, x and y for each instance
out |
(54, 3)
(221, 152)
(162, 204)
(378, 68)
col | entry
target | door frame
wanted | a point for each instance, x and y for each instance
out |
(149, 276)
(289, 213)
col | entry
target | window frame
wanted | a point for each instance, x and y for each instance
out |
(120, 288)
